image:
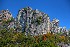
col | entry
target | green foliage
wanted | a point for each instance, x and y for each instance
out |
(9, 20)
(25, 8)
(39, 20)
(18, 39)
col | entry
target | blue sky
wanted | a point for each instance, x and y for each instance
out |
(59, 9)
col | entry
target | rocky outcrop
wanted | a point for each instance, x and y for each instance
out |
(34, 21)
(31, 21)
(5, 15)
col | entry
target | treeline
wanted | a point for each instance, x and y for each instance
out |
(18, 39)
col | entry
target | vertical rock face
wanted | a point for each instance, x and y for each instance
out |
(36, 22)
(55, 25)
(33, 21)
(24, 17)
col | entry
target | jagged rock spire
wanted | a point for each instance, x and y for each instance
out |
(36, 22)
(28, 17)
